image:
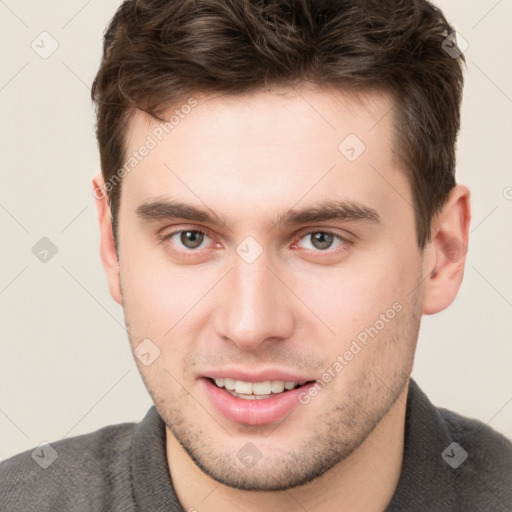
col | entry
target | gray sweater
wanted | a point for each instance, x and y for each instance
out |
(451, 463)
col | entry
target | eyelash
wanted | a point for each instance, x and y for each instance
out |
(344, 241)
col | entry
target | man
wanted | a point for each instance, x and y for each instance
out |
(278, 209)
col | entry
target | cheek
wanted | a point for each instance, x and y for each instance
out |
(166, 305)
(157, 294)
(148, 302)
(352, 298)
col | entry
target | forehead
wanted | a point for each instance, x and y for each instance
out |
(268, 149)
(303, 111)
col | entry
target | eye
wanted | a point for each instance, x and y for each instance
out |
(188, 238)
(322, 240)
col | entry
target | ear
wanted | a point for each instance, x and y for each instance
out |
(445, 255)
(108, 250)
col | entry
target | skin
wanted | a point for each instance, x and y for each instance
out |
(296, 308)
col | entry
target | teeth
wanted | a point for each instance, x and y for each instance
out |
(254, 388)
(277, 386)
(262, 388)
(229, 384)
(243, 387)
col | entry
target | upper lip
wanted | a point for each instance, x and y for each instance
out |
(257, 376)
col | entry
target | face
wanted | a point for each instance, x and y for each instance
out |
(261, 247)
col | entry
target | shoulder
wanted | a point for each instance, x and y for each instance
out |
(488, 453)
(451, 462)
(70, 474)
(480, 438)
(479, 460)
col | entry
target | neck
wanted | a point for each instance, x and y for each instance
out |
(366, 480)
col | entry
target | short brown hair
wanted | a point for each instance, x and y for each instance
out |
(159, 51)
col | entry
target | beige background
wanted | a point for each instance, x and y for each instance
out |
(65, 363)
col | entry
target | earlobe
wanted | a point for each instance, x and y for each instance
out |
(447, 250)
(108, 252)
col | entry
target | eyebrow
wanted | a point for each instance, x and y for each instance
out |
(327, 210)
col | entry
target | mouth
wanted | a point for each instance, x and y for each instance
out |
(255, 403)
(255, 390)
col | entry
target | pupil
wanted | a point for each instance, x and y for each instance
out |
(191, 239)
(322, 240)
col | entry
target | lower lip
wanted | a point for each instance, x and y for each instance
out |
(254, 412)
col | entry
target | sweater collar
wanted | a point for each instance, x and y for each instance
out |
(425, 438)
(152, 486)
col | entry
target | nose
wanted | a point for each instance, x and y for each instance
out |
(255, 307)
